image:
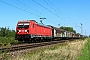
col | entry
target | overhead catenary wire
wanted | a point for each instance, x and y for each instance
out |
(28, 6)
(52, 8)
(35, 11)
(32, 8)
(61, 12)
(50, 11)
(19, 8)
(18, 3)
(28, 11)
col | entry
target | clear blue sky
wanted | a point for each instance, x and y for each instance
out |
(64, 12)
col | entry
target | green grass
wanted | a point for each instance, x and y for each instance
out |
(85, 52)
(41, 55)
(65, 51)
(7, 40)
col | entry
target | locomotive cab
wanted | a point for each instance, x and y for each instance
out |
(22, 30)
(22, 27)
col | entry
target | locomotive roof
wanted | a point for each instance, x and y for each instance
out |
(34, 21)
(24, 21)
(42, 25)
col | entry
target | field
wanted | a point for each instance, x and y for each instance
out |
(7, 40)
(85, 52)
(74, 50)
(66, 51)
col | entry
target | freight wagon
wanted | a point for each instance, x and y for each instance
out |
(63, 34)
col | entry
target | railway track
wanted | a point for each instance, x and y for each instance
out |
(28, 46)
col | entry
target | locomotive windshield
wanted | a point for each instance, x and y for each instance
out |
(23, 25)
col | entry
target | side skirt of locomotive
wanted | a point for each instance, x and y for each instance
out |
(32, 38)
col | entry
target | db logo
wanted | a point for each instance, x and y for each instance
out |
(22, 30)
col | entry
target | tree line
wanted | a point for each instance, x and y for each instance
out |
(6, 32)
(68, 29)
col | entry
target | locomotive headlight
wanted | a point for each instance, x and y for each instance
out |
(25, 30)
(19, 30)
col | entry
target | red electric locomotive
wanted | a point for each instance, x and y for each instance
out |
(28, 30)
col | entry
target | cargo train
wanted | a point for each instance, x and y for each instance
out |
(30, 30)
